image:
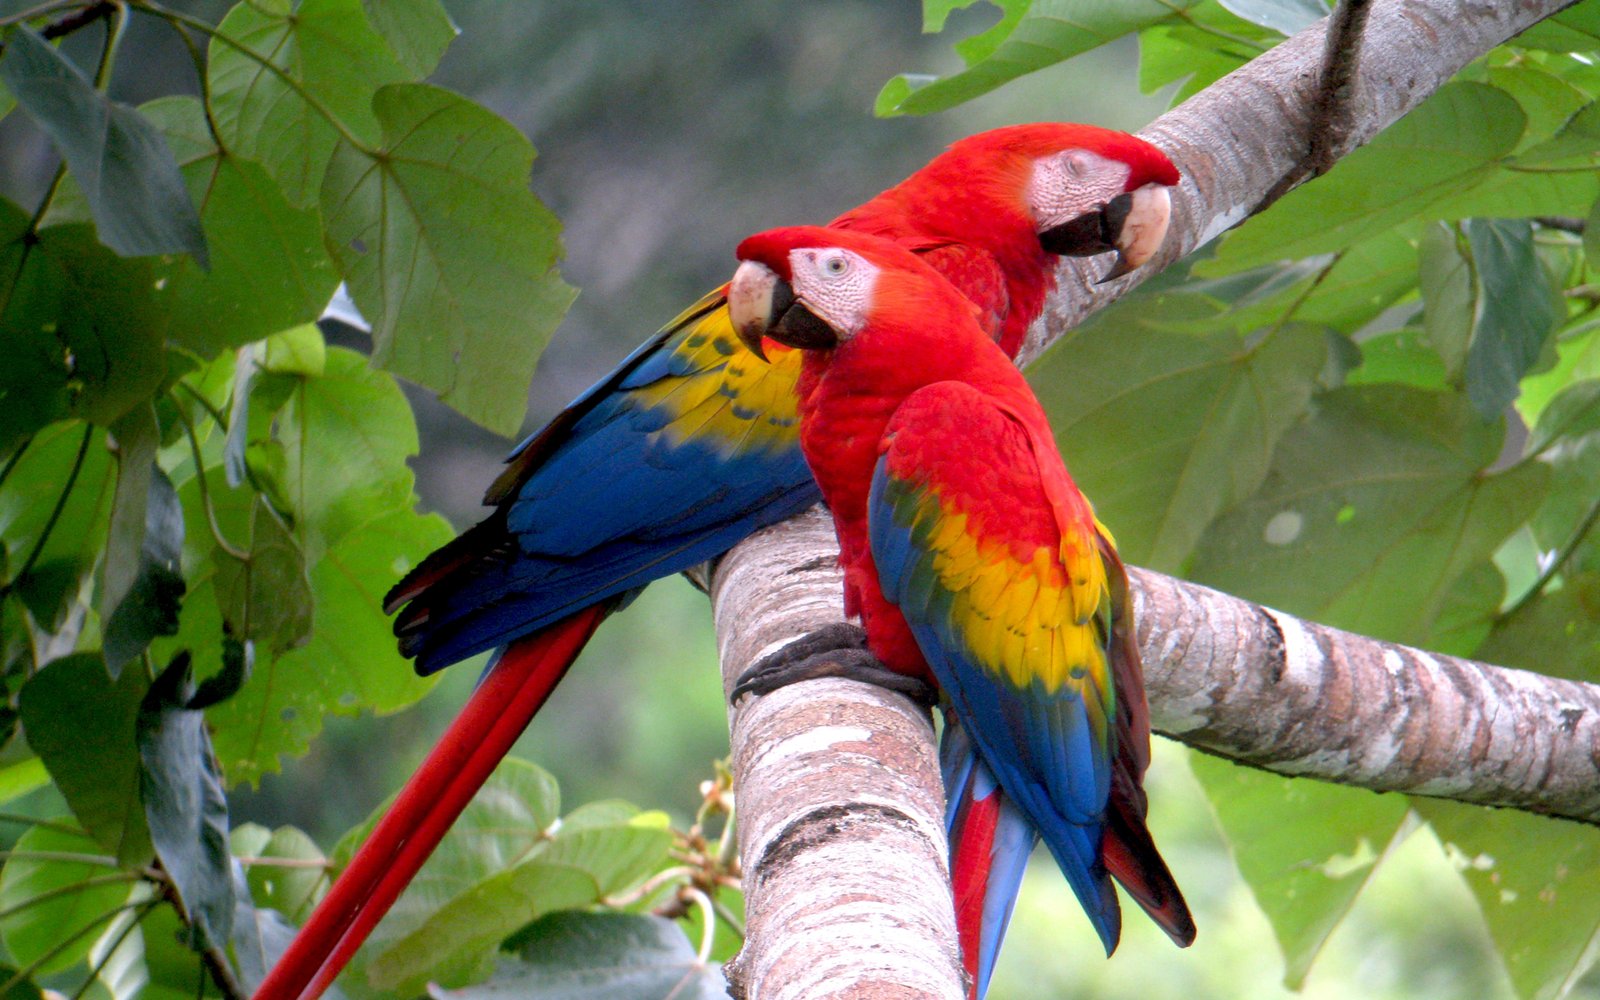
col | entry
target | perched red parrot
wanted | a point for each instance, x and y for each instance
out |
(683, 450)
(969, 554)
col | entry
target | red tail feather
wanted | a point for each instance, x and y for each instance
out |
(970, 856)
(1132, 859)
(476, 741)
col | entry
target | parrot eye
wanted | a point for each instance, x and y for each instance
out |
(1076, 163)
(835, 266)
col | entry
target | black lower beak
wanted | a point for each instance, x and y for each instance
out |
(1091, 233)
(798, 326)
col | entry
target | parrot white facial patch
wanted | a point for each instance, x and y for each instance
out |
(1071, 183)
(835, 284)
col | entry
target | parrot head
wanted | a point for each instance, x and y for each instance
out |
(1066, 189)
(814, 288)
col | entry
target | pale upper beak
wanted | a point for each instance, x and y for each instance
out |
(1143, 229)
(750, 303)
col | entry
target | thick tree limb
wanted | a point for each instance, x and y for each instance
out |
(834, 909)
(1292, 696)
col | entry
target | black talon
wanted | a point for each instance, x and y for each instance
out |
(838, 650)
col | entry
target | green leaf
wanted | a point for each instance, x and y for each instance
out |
(1305, 848)
(1447, 145)
(1029, 37)
(260, 936)
(150, 606)
(1577, 358)
(17, 780)
(447, 252)
(1537, 881)
(1578, 137)
(326, 61)
(83, 329)
(1283, 16)
(268, 270)
(1591, 236)
(266, 598)
(1576, 29)
(1370, 511)
(1558, 633)
(1444, 275)
(173, 968)
(1357, 284)
(511, 815)
(1402, 356)
(134, 440)
(81, 724)
(118, 158)
(346, 437)
(601, 956)
(1568, 440)
(1158, 484)
(1548, 100)
(458, 943)
(1469, 611)
(1199, 49)
(1515, 311)
(300, 351)
(418, 31)
(288, 889)
(29, 500)
(349, 664)
(184, 804)
(34, 931)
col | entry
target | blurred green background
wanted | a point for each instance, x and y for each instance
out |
(667, 131)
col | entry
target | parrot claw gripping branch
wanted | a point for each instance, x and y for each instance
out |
(687, 447)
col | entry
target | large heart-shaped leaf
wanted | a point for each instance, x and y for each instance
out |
(447, 252)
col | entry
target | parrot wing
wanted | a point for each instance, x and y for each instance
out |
(993, 558)
(687, 447)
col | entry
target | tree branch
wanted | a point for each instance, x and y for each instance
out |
(1265, 688)
(845, 872)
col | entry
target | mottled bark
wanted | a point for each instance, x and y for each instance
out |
(839, 800)
(1266, 688)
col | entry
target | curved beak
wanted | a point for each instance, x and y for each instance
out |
(763, 305)
(751, 296)
(1133, 224)
(1142, 229)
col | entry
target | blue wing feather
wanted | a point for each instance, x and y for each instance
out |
(683, 450)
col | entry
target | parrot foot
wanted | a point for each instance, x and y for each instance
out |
(833, 651)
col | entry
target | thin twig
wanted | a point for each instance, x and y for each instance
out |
(68, 890)
(205, 492)
(11, 817)
(27, 971)
(33, 12)
(1578, 535)
(112, 950)
(79, 19)
(117, 21)
(1565, 223)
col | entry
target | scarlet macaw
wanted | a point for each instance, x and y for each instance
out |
(682, 451)
(969, 554)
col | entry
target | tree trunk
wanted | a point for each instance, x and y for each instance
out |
(840, 808)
